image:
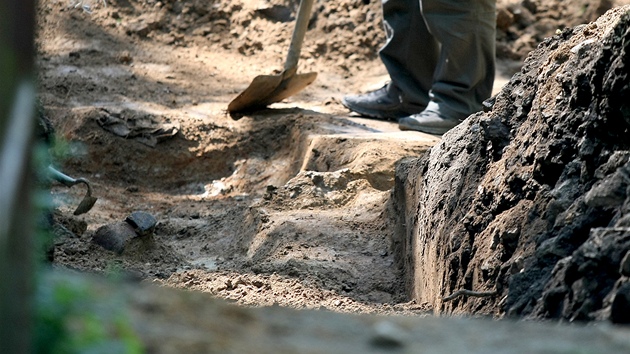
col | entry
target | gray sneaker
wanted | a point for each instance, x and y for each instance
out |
(385, 103)
(428, 121)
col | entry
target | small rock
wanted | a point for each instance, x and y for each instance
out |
(553, 247)
(140, 28)
(610, 192)
(510, 236)
(277, 13)
(142, 222)
(504, 19)
(114, 237)
(144, 24)
(125, 57)
(388, 335)
(488, 104)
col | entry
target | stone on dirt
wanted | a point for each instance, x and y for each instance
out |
(114, 237)
(142, 222)
(145, 24)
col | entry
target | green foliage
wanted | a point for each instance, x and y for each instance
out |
(71, 319)
(60, 149)
(114, 270)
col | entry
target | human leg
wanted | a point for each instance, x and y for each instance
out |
(410, 56)
(465, 71)
(464, 74)
(411, 52)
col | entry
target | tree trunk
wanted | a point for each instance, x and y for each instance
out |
(17, 99)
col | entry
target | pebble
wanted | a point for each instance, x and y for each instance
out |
(388, 335)
(114, 237)
(142, 222)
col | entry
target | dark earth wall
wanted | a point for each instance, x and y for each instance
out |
(531, 199)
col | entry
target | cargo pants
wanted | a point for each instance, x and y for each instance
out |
(441, 53)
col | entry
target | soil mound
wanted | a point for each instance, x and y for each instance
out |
(344, 34)
(528, 203)
(522, 24)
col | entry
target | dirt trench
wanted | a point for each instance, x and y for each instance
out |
(311, 230)
(289, 206)
(286, 206)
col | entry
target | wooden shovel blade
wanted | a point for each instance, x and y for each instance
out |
(267, 89)
(291, 86)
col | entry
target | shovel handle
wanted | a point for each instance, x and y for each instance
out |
(67, 180)
(60, 177)
(301, 24)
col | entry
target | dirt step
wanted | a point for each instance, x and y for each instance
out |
(371, 156)
(327, 226)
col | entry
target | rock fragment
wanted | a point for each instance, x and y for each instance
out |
(142, 222)
(145, 24)
(114, 237)
(388, 335)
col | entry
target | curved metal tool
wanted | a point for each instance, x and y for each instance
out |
(87, 202)
(267, 89)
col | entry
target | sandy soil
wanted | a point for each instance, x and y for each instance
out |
(289, 205)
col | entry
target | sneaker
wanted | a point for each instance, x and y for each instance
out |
(428, 121)
(384, 103)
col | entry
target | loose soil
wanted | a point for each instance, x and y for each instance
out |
(288, 206)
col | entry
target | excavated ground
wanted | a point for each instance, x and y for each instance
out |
(288, 206)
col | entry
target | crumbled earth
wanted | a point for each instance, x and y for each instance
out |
(286, 206)
(539, 217)
(522, 25)
(290, 205)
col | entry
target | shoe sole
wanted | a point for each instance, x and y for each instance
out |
(420, 128)
(375, 114)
